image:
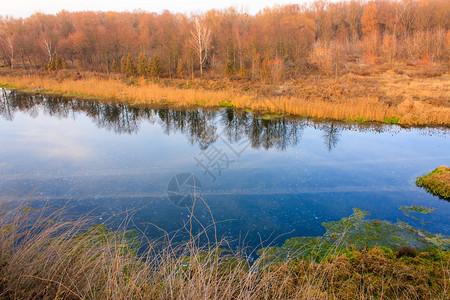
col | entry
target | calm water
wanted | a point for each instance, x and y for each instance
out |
(263, 180)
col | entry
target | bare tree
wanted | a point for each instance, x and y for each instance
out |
(10, 47)
(6, 38)
(200, 41)
(48, 49)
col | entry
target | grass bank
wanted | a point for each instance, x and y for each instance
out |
(386, 97)
(44, 257)
(436, 182)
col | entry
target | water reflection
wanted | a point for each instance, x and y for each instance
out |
(200, 126)
(330, 136)
(324, 170)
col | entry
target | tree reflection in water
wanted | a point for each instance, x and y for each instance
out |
(201, 126)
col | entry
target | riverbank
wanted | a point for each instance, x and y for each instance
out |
(436, 182)
(386, 97)
(47, 257)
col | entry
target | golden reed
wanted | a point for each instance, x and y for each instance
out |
(360, 108)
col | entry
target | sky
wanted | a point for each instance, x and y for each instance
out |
(24, 8)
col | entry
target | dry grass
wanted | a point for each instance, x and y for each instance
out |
(388, 98)
(44, 257)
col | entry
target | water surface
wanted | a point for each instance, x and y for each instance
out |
(262, 180)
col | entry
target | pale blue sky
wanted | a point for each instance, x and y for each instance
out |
(24, 8)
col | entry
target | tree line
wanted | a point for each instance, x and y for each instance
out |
(277, 43)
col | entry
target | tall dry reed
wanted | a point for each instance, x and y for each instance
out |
(352, 108)
(42, 256)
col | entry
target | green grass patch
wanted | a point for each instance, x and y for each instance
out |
(391, 120)
(6, 85)
(360, 120)
(437, 182)
(226, 104)
(200, 103)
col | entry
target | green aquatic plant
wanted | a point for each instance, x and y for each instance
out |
(72, 260)
(409, 211)
(412, 211)
(126, 242)
(356, 232)
(417, 209)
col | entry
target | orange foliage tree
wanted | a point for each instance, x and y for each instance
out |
(287, 37)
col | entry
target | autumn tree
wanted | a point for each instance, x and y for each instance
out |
(201, 41)
(277, 70)
(180, 69)
(7, 39)
(57, 63)
(129, 66)
(352, 12)
(369, 19)
(142, 64)
(115, 67)
(155, 66)
(229, 69)
(49, 49)
(286, 35)
(9, 42)
(370, 28)
(265, 70)
(123, 64)
(328, 57)
(243, 73)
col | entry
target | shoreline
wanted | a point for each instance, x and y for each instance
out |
(346, 106)
(79, 259)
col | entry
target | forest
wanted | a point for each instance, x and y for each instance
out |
(274, 45)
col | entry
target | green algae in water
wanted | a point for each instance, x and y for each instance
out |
(356, 232)
(409, 211)
(127, 242)
(417, 209)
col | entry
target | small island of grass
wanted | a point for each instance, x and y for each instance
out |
(437, 182)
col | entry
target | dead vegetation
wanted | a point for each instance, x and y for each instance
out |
(42, 256)
(386, 97)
